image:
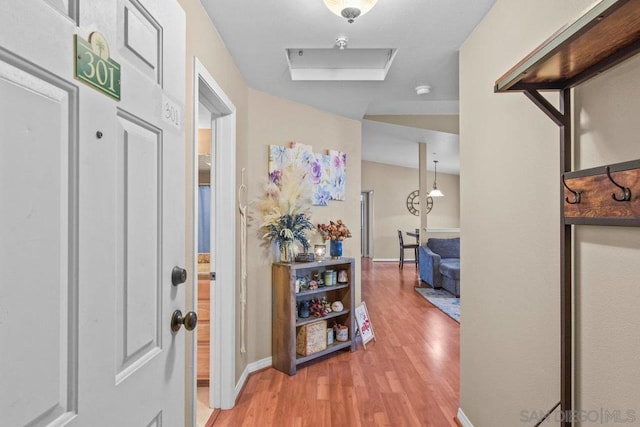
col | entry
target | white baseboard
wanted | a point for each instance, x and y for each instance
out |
(393, 260)
(251, 367)
(463, 419)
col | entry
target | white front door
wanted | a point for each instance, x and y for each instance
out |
(91, 216)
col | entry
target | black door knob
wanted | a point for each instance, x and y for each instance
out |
(178, 275)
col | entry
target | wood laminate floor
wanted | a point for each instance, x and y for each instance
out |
(408, 377)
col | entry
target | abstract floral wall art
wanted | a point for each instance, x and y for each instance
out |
(321, 180)
(279, 160)
(337, 174)
(326, 172)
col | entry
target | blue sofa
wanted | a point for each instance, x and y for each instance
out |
(439, 262)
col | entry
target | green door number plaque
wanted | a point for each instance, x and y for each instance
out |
(94, 66)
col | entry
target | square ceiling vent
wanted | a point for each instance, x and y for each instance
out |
(339, 65)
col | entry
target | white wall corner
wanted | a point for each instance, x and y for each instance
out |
(251, 368)
(463, 419)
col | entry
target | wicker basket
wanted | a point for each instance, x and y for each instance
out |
(312, 338)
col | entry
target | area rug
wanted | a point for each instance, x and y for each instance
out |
(446, 302)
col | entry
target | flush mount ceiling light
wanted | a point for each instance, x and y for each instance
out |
(350, 9)
(435, 192)
(423, 89)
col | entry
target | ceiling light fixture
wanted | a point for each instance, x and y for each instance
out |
(423, 89)
(350, 9)
(435, 192)
(341, 42)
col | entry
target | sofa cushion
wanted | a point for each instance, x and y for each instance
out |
(450, 267)
(446, 248)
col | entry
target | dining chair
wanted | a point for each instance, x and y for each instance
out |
(403, 247)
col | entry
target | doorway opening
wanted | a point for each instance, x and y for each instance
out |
(214, 251)
(205, 199)
(366, 224)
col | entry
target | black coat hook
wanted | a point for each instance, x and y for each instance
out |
(576, 194)
(626, 191)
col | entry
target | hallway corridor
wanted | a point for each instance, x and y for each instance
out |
(410, 376)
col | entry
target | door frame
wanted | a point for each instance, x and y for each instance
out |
(223, 294)
(367, 225)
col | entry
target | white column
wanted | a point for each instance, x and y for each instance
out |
(424, 190)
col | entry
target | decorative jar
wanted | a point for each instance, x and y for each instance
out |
(304, 309)
(328, 278)
(343, 276)
(342, 333)
(320, 251)
(335, 249)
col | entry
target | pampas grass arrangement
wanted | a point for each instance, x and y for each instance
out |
(285, 209)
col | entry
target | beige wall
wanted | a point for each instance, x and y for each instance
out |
(278, 121)
(391, 185)
(446, 210)
(204, 42)
(608, 372)
(262, 120)
(449, 123)
(510, 251)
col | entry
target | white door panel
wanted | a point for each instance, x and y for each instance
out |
(28, 31)
(65, 7)
(138, 197)
(91, 218)
(37, 212)
(142, 39)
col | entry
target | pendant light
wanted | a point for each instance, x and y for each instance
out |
(435, 192)
(350, 9)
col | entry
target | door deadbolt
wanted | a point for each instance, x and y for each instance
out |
(189, 320)
(178, 275)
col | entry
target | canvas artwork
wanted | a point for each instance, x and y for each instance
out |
(337, 174)
(279, 160)
(326, 172)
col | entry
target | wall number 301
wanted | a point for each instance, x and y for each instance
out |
(171, 112)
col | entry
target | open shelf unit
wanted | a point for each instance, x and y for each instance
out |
(285, 320)
(604, 36)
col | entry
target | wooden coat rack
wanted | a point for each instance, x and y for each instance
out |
(603, 37)
(607, 195)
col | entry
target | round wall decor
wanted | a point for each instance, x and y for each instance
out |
(413, 203)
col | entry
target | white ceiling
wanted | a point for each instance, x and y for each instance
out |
(398, 145)
(426, 33)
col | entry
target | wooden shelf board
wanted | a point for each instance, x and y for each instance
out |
(330, 349)
(602, 37)
(321, 290)
(312, 319)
